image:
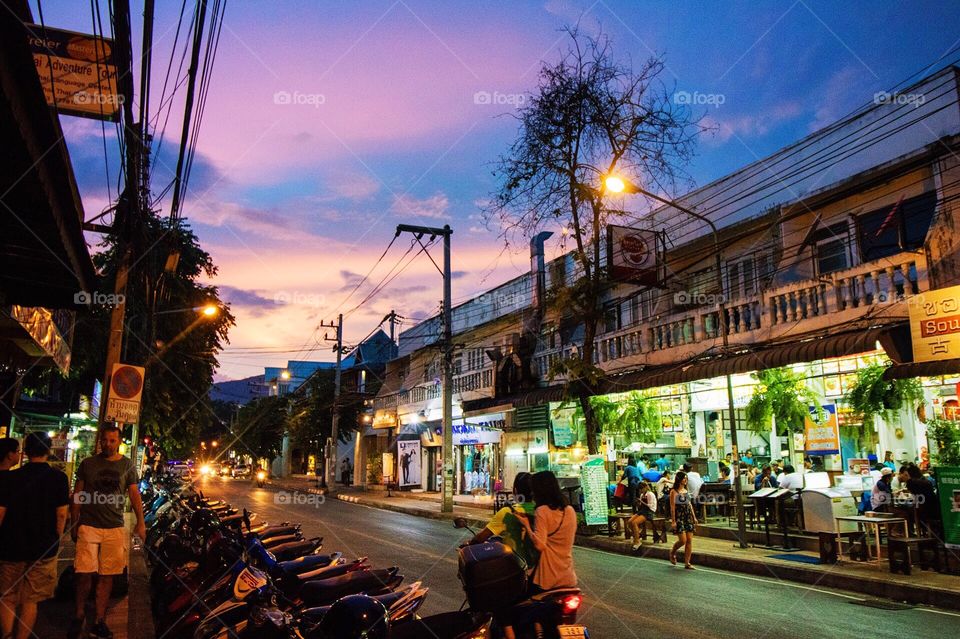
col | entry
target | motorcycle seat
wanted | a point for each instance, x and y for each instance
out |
(306, 564)
(326, 591)
(275, 531)
(294, 549)
(334, 570)
(555, 592)
(315, 615)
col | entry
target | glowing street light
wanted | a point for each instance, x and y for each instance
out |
(284, 374)
(210, 310)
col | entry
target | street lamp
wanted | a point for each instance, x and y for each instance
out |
(617, 184)
(284, 374)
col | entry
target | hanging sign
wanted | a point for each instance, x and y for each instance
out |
(634, 255)
(822, 438)
(77, 72)
(126, 389)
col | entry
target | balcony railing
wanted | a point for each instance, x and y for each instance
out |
(841, 296)
(480, 381)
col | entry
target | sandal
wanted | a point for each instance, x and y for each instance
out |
(689, 567)
(673, 557)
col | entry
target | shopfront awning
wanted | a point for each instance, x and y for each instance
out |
(809, 350)
(923, 369)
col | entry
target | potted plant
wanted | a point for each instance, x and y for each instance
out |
(946, 434)
(782, 401)
(871, 395)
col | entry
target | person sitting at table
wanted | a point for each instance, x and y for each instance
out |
(747, 458)
(662, 487)
(881, 496)
(644, 508)
(928, 508)
(790, 478)
(725, 475)
(765, 479)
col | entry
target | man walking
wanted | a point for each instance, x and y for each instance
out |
(103, 482)
(33, 509)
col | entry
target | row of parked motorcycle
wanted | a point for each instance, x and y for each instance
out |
(219, 572)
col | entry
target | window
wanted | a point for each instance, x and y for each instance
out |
(895, 228)
(611, 316)
(831, 249)
(747, 275)
(638, 307)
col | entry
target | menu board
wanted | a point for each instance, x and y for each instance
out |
(593, 481)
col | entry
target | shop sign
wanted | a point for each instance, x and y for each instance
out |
(593, 480)
(384, 419)
(126, 389)
(822, 438)
(465, 434)
(77, 72)
(948, 487)
(634, 255)
(935, 324)
(562, 434)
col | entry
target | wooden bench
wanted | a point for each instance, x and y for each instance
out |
(658, 526)
(618, 524)
(900, 549)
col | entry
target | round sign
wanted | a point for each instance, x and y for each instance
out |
(127, 382)
(635, 250)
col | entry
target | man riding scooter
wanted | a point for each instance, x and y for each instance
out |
(261, 475)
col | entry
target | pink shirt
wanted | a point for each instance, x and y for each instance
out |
(553, 536)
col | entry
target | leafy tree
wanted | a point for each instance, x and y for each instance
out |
(163, 332)
(590, 115)
(260, 427)
(632, 415)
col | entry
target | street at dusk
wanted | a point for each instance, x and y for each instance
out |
(554, 319)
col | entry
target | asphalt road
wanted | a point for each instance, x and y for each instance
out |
(625, 597)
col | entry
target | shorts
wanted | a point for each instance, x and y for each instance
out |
(27, 581)
(101, 550)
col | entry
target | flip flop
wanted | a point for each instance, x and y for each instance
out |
(673, 557)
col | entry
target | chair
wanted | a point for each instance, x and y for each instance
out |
(900, 550)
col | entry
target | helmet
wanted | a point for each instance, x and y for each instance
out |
(203, 520)
(356, 617)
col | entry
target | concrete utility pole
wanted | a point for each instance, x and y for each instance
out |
(330, 472)
(447, 350)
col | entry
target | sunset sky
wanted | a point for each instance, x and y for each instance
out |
(328, 123)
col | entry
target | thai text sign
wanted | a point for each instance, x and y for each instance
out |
(593, 479)
(935, 325)
(126, 389)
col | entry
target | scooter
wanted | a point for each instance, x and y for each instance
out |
(261, 478)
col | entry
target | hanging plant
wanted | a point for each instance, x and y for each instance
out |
(781, 395)
(871, 395)
(946, 433)
(634, 416)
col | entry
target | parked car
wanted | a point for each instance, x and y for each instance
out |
(240, 470)
(226, 469)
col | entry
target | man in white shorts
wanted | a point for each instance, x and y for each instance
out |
(103, 483)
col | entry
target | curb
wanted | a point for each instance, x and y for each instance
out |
(875, 587)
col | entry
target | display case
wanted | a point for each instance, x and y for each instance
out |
(821, 507)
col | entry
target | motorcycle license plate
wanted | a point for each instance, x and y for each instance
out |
(573, 632)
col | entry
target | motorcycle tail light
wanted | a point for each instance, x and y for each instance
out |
(572, 603)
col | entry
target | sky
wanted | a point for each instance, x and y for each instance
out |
(327, 123)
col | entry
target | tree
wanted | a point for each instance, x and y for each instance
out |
(311, 414)
(591, 116)
(159, 313)
(261, 425)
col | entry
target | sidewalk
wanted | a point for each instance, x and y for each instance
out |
(127, 616)
(921, 587)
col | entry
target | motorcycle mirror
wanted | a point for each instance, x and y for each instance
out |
(459, 522)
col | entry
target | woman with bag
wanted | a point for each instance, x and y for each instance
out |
(684, 519)
(553, 536)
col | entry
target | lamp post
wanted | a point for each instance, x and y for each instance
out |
(617, 184)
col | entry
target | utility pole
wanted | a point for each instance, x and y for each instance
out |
(128, 213)
(392, 318)
(447, 350)
(330, 470)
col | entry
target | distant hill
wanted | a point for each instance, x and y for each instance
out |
(239, 391)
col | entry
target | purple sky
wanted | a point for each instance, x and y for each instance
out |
(328, 123)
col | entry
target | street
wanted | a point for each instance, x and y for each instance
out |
(624, 597)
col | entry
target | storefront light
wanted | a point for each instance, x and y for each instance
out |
(514, 452)
(578, 451)
(73, 444)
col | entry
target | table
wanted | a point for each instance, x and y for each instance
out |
(865, 522)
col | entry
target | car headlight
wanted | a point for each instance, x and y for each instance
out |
(205, 470)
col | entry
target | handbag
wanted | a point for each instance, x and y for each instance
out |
(620, 492)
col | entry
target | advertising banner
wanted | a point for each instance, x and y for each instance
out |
(948, 486)
(408, 453)
(822, 438)
(593, 479)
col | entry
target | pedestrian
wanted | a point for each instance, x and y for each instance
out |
(103, 482)
(684, 519)
(33, 506)
(644, 508)
(553, 536)
(9, 453)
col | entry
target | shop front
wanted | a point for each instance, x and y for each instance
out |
(476, 451)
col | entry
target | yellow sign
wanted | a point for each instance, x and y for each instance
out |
(935, 325)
